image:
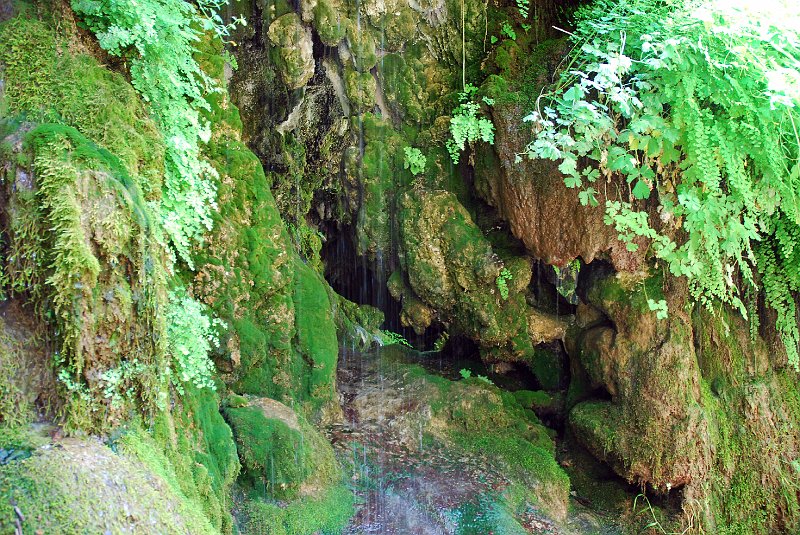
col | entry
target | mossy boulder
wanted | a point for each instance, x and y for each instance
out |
(289, 470)
(82, 486)
(453, 270)
(467, 417)
(329, 18)
(361, 46)
(695, 404)
(294, 50)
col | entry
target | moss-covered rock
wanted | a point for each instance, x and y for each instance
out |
(453, 270)
(329, 18)
(361, 89)
(361, 46)
(82, 486)
(468, 417)
(293, 43)
(695, 405)
(289, 471)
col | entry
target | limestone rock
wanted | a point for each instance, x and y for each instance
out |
(295, 49)
(542, 212)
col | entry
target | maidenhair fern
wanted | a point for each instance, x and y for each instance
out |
(158, 39)
(467, 124)
(696, 105)
(191, 335)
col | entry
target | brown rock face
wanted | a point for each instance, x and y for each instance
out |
(542, 212)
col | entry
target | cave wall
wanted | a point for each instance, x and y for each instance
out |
(684, 406)
(309, 146)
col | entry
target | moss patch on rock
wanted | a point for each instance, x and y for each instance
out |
(82, 486)
(289, 471)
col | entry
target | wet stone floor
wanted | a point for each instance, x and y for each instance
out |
(425, 490)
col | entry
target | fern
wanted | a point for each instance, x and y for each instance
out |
(191, 335)
(158, 38)
(466, 124)
(655, 95)
(414, 160)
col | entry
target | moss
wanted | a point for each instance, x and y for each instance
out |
(481, 418)
(274, 456)
(236, 401)
(329, 21)
(193, 450)
(486, 514)
(83, 239)
(362, 47)
(19, 375)
(283, 456)
(47, 82)
(533, 399)
(327, 514)
(361, 89)
(84, 487)
(316, 333)
(357, 326)
(526, 463)
(378, 173)
(293, 50)
(594, 424)
(549, 369)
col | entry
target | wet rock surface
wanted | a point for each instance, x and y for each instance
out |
(410, 478)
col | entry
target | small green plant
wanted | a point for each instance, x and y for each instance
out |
(659, 307)
(508, 31)
(118, 382)
(390, 338)
(467, 125)
(441, 341)
(414, 160)
(524, 7)
(502, 282)
(191, 335)
(466, 374)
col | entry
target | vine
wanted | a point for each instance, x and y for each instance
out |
(695, 105)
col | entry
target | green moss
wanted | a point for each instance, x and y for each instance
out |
(274, 456)
(533, 399)
(83, 239)
(362, 47)
(327, 514)
(282, 454)
(16, 397)
(484, 419)
(44, 80)
(486, 514)
(84, 487)
(361, 89)
(236, 401)
(331, 24)
(316, 333)
(596, 420)
(293, 54)
(192, 449)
